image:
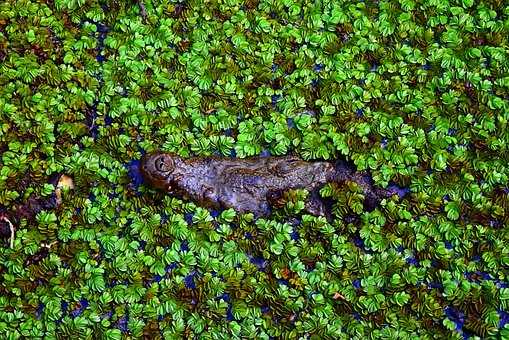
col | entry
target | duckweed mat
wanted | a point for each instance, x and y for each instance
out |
(414, 92)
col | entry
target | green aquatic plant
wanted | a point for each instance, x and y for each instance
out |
(414, 92)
